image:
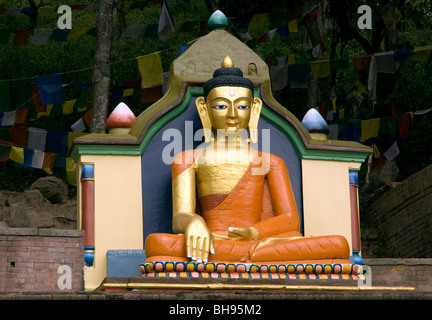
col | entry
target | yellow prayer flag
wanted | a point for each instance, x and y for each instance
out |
(46, 10)
(376, 152)
(341, 113)
(47, 112)
(320, 68)
(293, 26)
(17, 154)
(71, 171)
(397, 15)
(76, 33)
(360, 88)
(68, 106)
(291, 59)
(128, 92)
(259, 21)
(369, 129)
(421, 53)
(334, 104)
(150, 68)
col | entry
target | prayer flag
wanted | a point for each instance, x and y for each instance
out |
(76, 33)
(392, 152)
(402, 55)
(182, 49)
(37, 102)
(403, 125)
(321, 68)
(68, 106)
(151, 94)
(87, 117)
(293, 26)
(259, 21)
(133, 31)
(36, 139)
(361, 62)
(8, 119)
(283, 31)
(41, 36)
(60, 35)
(57, 141)
(71, 171)
(5, 149)
(271, 33)
(384, 62)
(18, 135)
(369, 129)
(17, 154)
(21, 116)
(78, 126)
(422, 53)
(21, 37)
(50, 89)
(128, 92)
(48, 161)
(351, 131)
(150, 68)
(297, 72)
(5, 99)
(376, 152)
(46, 113)
(333, 132)
(166, 22)
(279, 76)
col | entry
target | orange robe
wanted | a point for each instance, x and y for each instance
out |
(263, 201)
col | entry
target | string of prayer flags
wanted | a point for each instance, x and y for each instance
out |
(150, 68)
(402, 55)
(182, 49)
(166, 22)
(279, 76)
(50, 89)
(37, 139)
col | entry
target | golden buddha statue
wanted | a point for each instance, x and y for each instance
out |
(232, 203)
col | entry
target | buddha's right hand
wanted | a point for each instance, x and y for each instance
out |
(199, 240)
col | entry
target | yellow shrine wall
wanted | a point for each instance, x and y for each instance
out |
(118, 209)
(326, 198)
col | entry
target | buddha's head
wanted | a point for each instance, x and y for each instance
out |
(228, 103)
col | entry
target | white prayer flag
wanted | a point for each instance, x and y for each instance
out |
(36, 139)
(166, 22)
(392, 152)
(8, 118)
(78, 126)
(38, 158)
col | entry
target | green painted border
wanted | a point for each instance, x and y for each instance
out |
(266, 113)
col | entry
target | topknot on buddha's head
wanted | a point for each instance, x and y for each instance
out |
(227, 76)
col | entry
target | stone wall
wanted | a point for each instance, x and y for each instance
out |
(34, 259)
(402, 218)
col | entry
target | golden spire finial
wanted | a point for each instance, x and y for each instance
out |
(227, 62)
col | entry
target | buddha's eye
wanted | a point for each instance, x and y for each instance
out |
(243, 107)
(220, 106)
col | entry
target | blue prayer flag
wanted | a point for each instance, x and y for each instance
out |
(298, 72)
(50, 89)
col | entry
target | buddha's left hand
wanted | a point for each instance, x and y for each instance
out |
(246, 233)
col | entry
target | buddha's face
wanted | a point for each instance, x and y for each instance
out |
(229, 108)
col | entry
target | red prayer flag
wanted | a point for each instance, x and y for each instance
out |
(21, 116)
(21, 37)
(18, 135)
(37, 102)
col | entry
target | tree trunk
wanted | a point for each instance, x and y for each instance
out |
(102, 69)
